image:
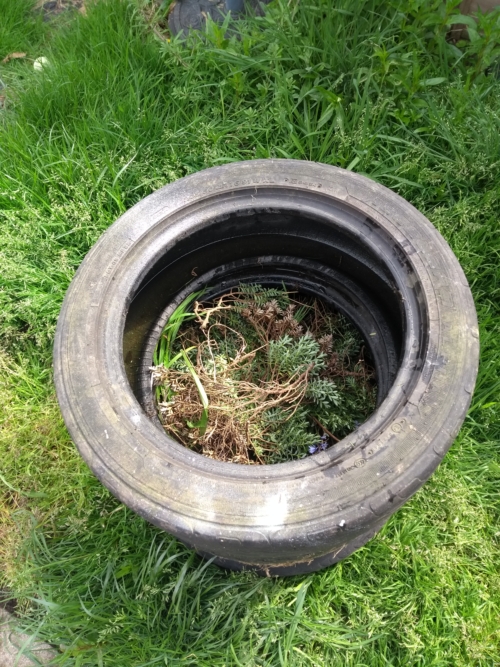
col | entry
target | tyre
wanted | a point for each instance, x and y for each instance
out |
(324, 231)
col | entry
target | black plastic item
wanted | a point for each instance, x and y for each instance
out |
(326, 231)
(186, 15)
(52, 8)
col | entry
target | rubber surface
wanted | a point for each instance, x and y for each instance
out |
(276, 216)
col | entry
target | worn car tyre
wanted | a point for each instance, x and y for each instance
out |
(325, 231)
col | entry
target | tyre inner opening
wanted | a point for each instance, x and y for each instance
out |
(260, 374)
(351, 273)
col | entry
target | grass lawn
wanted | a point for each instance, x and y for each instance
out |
(365, 85)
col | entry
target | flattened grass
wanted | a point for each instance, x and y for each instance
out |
(368, 86)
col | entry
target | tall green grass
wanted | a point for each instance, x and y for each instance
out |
(369, 86)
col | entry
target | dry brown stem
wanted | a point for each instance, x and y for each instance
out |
(235, 430)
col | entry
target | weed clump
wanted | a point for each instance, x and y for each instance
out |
(260, 375)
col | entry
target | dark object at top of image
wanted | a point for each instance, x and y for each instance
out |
(186, 15)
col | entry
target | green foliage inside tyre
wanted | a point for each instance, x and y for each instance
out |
(260, 375)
